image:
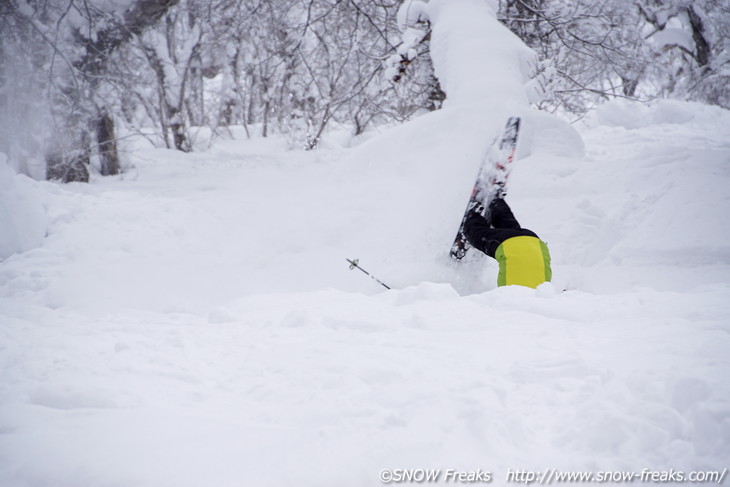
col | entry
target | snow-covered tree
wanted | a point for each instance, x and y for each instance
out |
(73, 70)
(410, 69)
(592, 51)
(689, 42)
(74, 41)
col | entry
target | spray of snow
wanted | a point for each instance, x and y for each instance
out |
(22, 216)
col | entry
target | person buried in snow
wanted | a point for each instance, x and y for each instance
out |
(523, 258)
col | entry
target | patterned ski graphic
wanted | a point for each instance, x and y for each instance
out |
(491, 179)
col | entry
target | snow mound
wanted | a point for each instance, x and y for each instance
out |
(545, 135)
(632, 115)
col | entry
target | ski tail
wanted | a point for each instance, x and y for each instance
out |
(490, 183)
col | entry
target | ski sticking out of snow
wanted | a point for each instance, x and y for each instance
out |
(491, 180)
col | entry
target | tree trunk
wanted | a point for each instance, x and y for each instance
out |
(107, 143)
(178, 136)
(702, 47)
(265, 126)
(628, 86)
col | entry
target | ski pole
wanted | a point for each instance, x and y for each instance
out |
(355, 264)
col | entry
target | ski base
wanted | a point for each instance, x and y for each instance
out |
(491, 181)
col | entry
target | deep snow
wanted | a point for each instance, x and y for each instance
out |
(194, 322)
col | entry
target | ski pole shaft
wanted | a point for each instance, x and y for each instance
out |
(354, 264)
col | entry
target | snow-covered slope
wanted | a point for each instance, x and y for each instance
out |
(194, 322)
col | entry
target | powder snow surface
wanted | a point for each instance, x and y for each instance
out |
(193, 322)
